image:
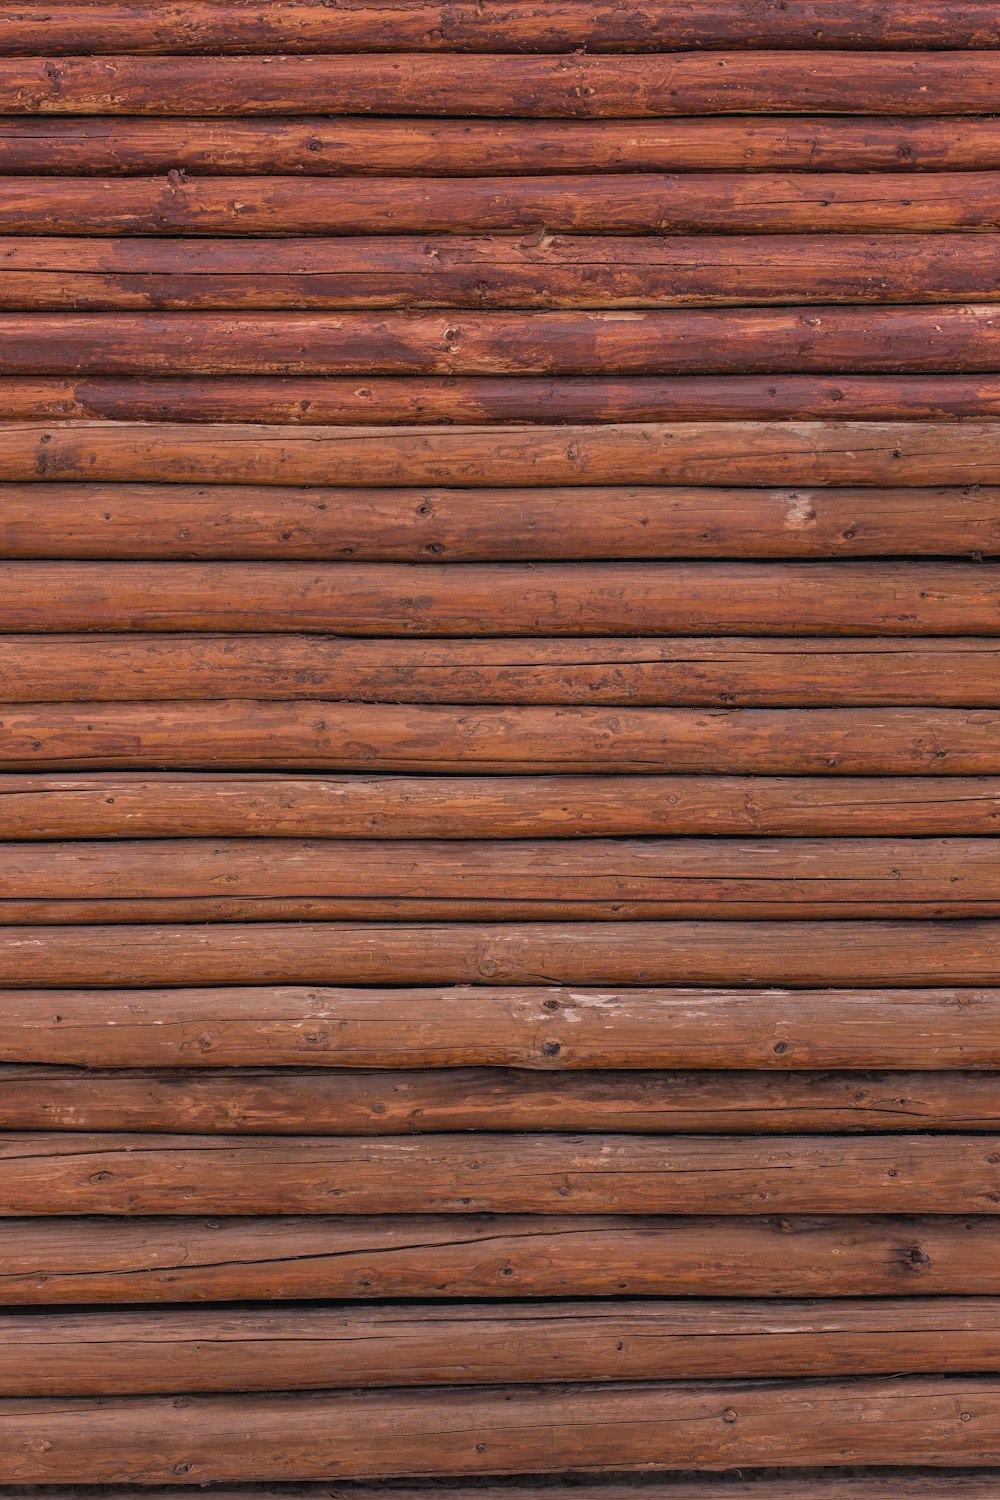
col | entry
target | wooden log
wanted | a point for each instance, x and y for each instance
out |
(544, 1028)
(113, 805)
(159, 1352)
(52, 1173)
(316, 146)
(432, 738)
(679, 341)
(498, 272)
(610, 598)
(757, 454)
(392, 1103)
(692, 203)
(957, 672)
(541, 26)
(547, 880)
(883, 1484)
(572, 87)
(600, 522)
(303, 400)
(150, 1260)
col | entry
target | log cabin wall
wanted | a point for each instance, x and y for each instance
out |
(500, 749)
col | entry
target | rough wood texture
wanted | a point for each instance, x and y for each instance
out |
(805, 1484)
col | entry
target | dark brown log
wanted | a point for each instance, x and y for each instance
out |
(167, 805)
(612, 598)
(737, 203)
(759, 454)
(548, 880)
(574, 87)
(149, 1353)
(53, 1173)
(317, 146)
(458, 271)
(312, 400)
(348, 1103)
(60, 1261)
(547, 1029)
(709, 672)
(599, 522)
(541, 26)
(431, 738)
(882, 1484)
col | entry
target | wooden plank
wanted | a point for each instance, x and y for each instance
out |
(957, 672)
(232, 805)
(574, 87)
(432, 738)
(548, 1429)
(884, 1484)
(679, 341)
(148, 1353)
(52, 1173)
(745, 954)
(156, 1260)
(874, 454)
(547, 880)
(545, 1028)
(601, 522)
(335, 1102)
(540, 26)
(844, 598)
(448, 270)
(317, 146)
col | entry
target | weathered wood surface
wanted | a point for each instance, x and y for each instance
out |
(338, 1102)
(436, 1258)
(872, 1484)
(936, 1421)
(127, 521)
(871, 454)
(545, 1028)
(148, 1353)
(235, 805)
(956, 672)
(53, 1173)
(576, 86)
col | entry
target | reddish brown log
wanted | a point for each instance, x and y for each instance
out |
(167, 805)
(900, 1484)
(599, 522)
(345, 1104)
(709, 672)
(574, 87)
(539, 1029)
(569, 599)
(59, 1261)
(746, 954)
(759, 454)
(458, 271)
(316, 146)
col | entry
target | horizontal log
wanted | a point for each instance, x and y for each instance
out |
(600, 522)
(303, 400)
(51, 1174)
(679, 341)
(758, 454)
(610, 598)
(737, 203)
(541, 26)
(746, 954)
(347, 1103)
(166, 805)
(149, 1353)
(316, 146)
(955, 672)
(573, 87)
(881, 1484)
(545, 1028)
(150, 1260)
(547, 880)
(596, 271)
(431, 738)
